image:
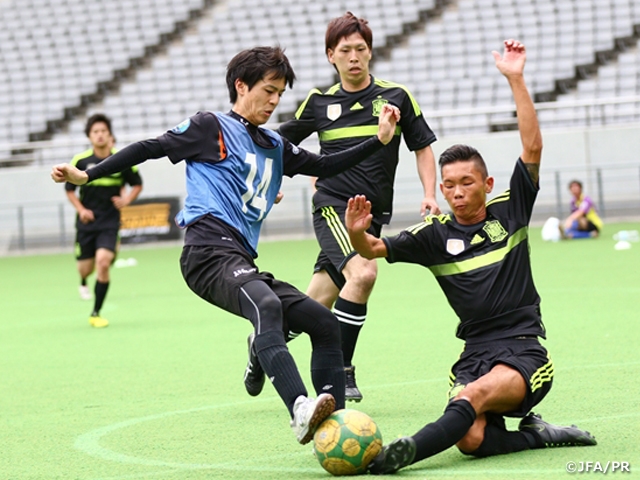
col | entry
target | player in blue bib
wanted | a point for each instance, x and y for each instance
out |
(234, 172)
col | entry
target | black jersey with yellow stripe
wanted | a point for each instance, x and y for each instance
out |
(483, 269)
(96, 195)
(343, 119)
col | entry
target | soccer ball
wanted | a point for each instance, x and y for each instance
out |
(346, 442)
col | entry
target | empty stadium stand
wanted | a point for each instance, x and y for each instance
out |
(150, 63)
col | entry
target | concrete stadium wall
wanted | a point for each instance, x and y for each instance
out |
(35, 212)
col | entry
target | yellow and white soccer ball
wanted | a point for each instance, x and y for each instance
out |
(346, 442)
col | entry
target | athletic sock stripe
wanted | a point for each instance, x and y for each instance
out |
(338, 230)
(340, 313)
(350, 322)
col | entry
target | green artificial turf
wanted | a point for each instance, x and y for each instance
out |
(159, 395)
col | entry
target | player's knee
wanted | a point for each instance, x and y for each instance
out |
(475, 394)
(270, 311)
(471, 441)
(364, 278)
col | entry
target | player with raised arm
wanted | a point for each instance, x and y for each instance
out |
(480, 257)
(234, 170)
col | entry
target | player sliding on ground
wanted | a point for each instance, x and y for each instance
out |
(480, 257)
(234, 170)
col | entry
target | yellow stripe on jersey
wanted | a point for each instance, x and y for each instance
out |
(387, 84)
(333, 89)
(428, 220)
(303, 105)
(503, 197)
(480, 261)
(107, 182)
(114, 180)
(541, 376)
(352, 132)
(413, 229)
(338, 230)
(81, 156)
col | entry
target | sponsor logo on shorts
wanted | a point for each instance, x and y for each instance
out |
(244, 271)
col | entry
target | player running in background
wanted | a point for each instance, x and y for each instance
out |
(342, 116)
(480, 257)
(98, 218)
(234, 170)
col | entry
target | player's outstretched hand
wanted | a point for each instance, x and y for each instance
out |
(428, 206)
(389, 116)
(65, 172)
(512, 60)
(358, 215)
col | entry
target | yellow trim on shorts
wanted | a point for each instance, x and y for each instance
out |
(541, 376)
(338, 229)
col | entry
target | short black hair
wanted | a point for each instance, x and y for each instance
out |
(345, 26)
(463, 153)
(97, 118)
(577, 182)
(252, 65)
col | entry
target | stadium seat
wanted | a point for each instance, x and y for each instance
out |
(69, 59)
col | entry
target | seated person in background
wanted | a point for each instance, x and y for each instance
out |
(584, 221)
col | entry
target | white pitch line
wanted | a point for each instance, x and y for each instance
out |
(89, 442)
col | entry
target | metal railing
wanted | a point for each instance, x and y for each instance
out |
(33, 225)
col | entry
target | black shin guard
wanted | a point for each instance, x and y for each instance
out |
(327, 373)
(445, 432)
(280, 367)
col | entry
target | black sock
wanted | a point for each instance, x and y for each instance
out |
(445, 432)
(351, 317)
(83, 281)
(280, 367)
(327, 373)
(100, 291)
(499, 440)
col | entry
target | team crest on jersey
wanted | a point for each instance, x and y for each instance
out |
(334, 111)
(455, 246)
(495, 231)
(377, 104)
(181, 127)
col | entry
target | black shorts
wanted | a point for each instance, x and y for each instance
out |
(333, 238)
(216, 274)
(526, 355)
(87, 242)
